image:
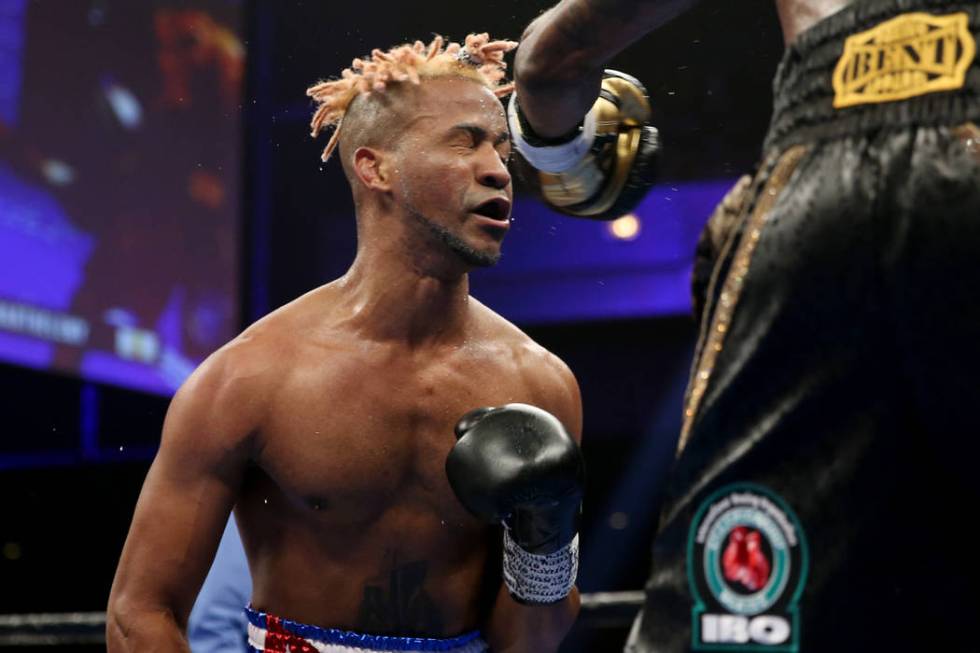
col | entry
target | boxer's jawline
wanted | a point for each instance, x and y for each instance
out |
(396, 603)
(457, 245)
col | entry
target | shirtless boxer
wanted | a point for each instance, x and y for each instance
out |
(825, 470)
(328, 425)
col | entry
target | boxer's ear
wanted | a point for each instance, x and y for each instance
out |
(370, 166)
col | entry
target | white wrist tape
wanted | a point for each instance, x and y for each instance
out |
(540, 578)
(552, 158)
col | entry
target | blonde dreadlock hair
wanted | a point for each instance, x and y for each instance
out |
(479, 59)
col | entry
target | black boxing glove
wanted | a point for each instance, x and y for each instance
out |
(517, 465)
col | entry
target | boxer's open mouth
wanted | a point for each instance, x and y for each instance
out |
(495, 209)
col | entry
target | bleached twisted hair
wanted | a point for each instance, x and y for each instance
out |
(478, 58)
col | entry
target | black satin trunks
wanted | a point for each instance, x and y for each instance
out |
(826, 486)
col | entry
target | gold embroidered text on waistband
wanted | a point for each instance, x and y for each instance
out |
(910, 55)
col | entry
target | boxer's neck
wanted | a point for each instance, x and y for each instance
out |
(392, 297)
(797, 16)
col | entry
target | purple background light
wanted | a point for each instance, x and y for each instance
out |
(119, 208)
(11, 44)
(561, 269)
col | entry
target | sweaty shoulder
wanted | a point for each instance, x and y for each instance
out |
(224, 399)
(227, 395)
(549, 381)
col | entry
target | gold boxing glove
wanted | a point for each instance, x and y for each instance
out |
(604, 169)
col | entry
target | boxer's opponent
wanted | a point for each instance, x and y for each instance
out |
(825, 469)
(328, 425)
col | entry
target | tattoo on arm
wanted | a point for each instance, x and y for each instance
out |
(396, 603)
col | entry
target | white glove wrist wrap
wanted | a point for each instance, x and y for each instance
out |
(552, 158)
(540, 579)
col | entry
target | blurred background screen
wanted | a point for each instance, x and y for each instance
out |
(119, 186)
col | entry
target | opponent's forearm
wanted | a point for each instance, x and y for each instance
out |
(559, 63)
(518, 628)
(129, 630)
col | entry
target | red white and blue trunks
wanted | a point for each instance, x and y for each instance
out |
(270, 634)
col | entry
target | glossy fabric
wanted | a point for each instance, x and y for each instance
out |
(271, 634)
(846, 380)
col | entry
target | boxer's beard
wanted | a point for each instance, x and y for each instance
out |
(457, 245)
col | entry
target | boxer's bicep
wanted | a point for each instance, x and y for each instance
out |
(568, 399)
(559, 64)
(580, 36)
(554, 388)
(628, 20)
(557, 392)
(188, 492)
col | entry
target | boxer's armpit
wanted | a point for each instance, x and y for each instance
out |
(396, 603)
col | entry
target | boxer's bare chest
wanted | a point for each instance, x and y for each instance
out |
(362, 430)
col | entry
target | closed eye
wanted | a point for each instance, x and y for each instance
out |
(472, 135)
(477, 135)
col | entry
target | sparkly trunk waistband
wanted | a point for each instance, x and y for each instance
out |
(268, 633)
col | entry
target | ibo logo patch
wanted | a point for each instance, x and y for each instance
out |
(747, 564)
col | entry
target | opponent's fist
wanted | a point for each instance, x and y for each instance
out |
(605, 169)
(518, 465)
